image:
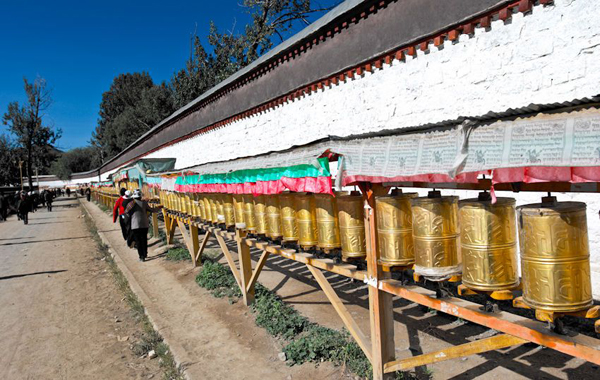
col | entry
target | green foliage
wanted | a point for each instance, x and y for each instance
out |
(131, 107)
(178, 254)
(219, 280)
(9, 156)
(33, 138)
(279, 319)
(75, 161)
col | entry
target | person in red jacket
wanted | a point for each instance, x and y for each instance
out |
(119, 211)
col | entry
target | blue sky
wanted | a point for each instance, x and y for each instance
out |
(80, 46)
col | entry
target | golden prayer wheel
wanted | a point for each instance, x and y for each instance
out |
(273, 217)
(260, 213)
(328, 225)
(306, 217)
(214, 209)
(288, 217)
(238, 211)
(394, 228)
(228, 209)
(488, 243)
(436, 236)
(207, 208)
(555, 259)
(249, 216)
(202, 212)
(220, 208)
(352, 226)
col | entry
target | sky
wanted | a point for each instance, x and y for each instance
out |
(80, 46)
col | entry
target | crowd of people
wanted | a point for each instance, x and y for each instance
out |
(24, 202)
(132, 212)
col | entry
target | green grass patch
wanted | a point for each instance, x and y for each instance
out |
(279, 319)
(219, 280)
(178, 254)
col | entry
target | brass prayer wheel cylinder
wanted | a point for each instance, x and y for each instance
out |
(238, 211)
(488, 243)
(394, 229)
(201, 206)
(249, 216)
(207, 208)
(220, 208)
(328, 226)
(436, 236)
(306, 217)
(352, 226)
(555, 259)
(288, 217)
(228, 209)
(214, 213)
(274, 228)
(260, 213)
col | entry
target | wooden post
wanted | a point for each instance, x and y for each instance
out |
(194, 243)
(380, 303)
(245, 267)
(155, 224)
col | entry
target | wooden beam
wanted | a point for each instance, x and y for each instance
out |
(155, 224)
(489, 344)
(340, 308)
(198, 257)
(194, 243)
(259, 266)
(230, 261)
(245, 267)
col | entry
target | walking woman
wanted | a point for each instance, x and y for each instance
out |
(138, 210)
(119, 210)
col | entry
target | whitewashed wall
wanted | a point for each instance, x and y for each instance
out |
(551, 55)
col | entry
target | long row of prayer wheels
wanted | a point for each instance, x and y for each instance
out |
(437, 236)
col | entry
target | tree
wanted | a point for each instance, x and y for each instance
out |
(75, 161)
(26, 124)
(9, 156)
(231, 52)
(131, 107)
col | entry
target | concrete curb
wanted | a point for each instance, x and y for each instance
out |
(158, 322)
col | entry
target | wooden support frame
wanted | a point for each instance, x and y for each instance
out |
(358, 335)
(155, 224)
(169, 226)
(230, 261)
(477, 347)
(245, 268)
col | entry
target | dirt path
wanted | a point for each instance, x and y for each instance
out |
(62, 314)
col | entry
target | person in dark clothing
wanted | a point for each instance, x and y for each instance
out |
(119, 211)
(24, 207)
(88, 194)
(48, 199)
(138, 210)
(68, 192)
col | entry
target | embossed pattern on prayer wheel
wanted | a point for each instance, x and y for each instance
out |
(201, 206)
(288, 217)
(436, 236)
(352, 226)
(260, 212)
(394, 229)
(228, 209)
(249, 216)
(273, 217)
(306, 217)
(555, 260)
(214, 209)
(238, 211)
(328, 225)
(488, 243)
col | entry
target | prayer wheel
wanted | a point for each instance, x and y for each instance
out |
(238, 211)
(394, 228)
(288, 217)
(488, 243)
(555, 259)
(328, 225)
(274, 230)
(352, 226)
(306, 217)
(220, 208)
(201, 206)
(207, 208)
(249, 215)
(260, 213)
(436, 236)
(228, 210)
(214, 209)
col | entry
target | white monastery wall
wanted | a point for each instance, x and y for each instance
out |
(551, 55)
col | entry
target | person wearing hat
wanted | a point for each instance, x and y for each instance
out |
(138, 210)
(119, 211)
